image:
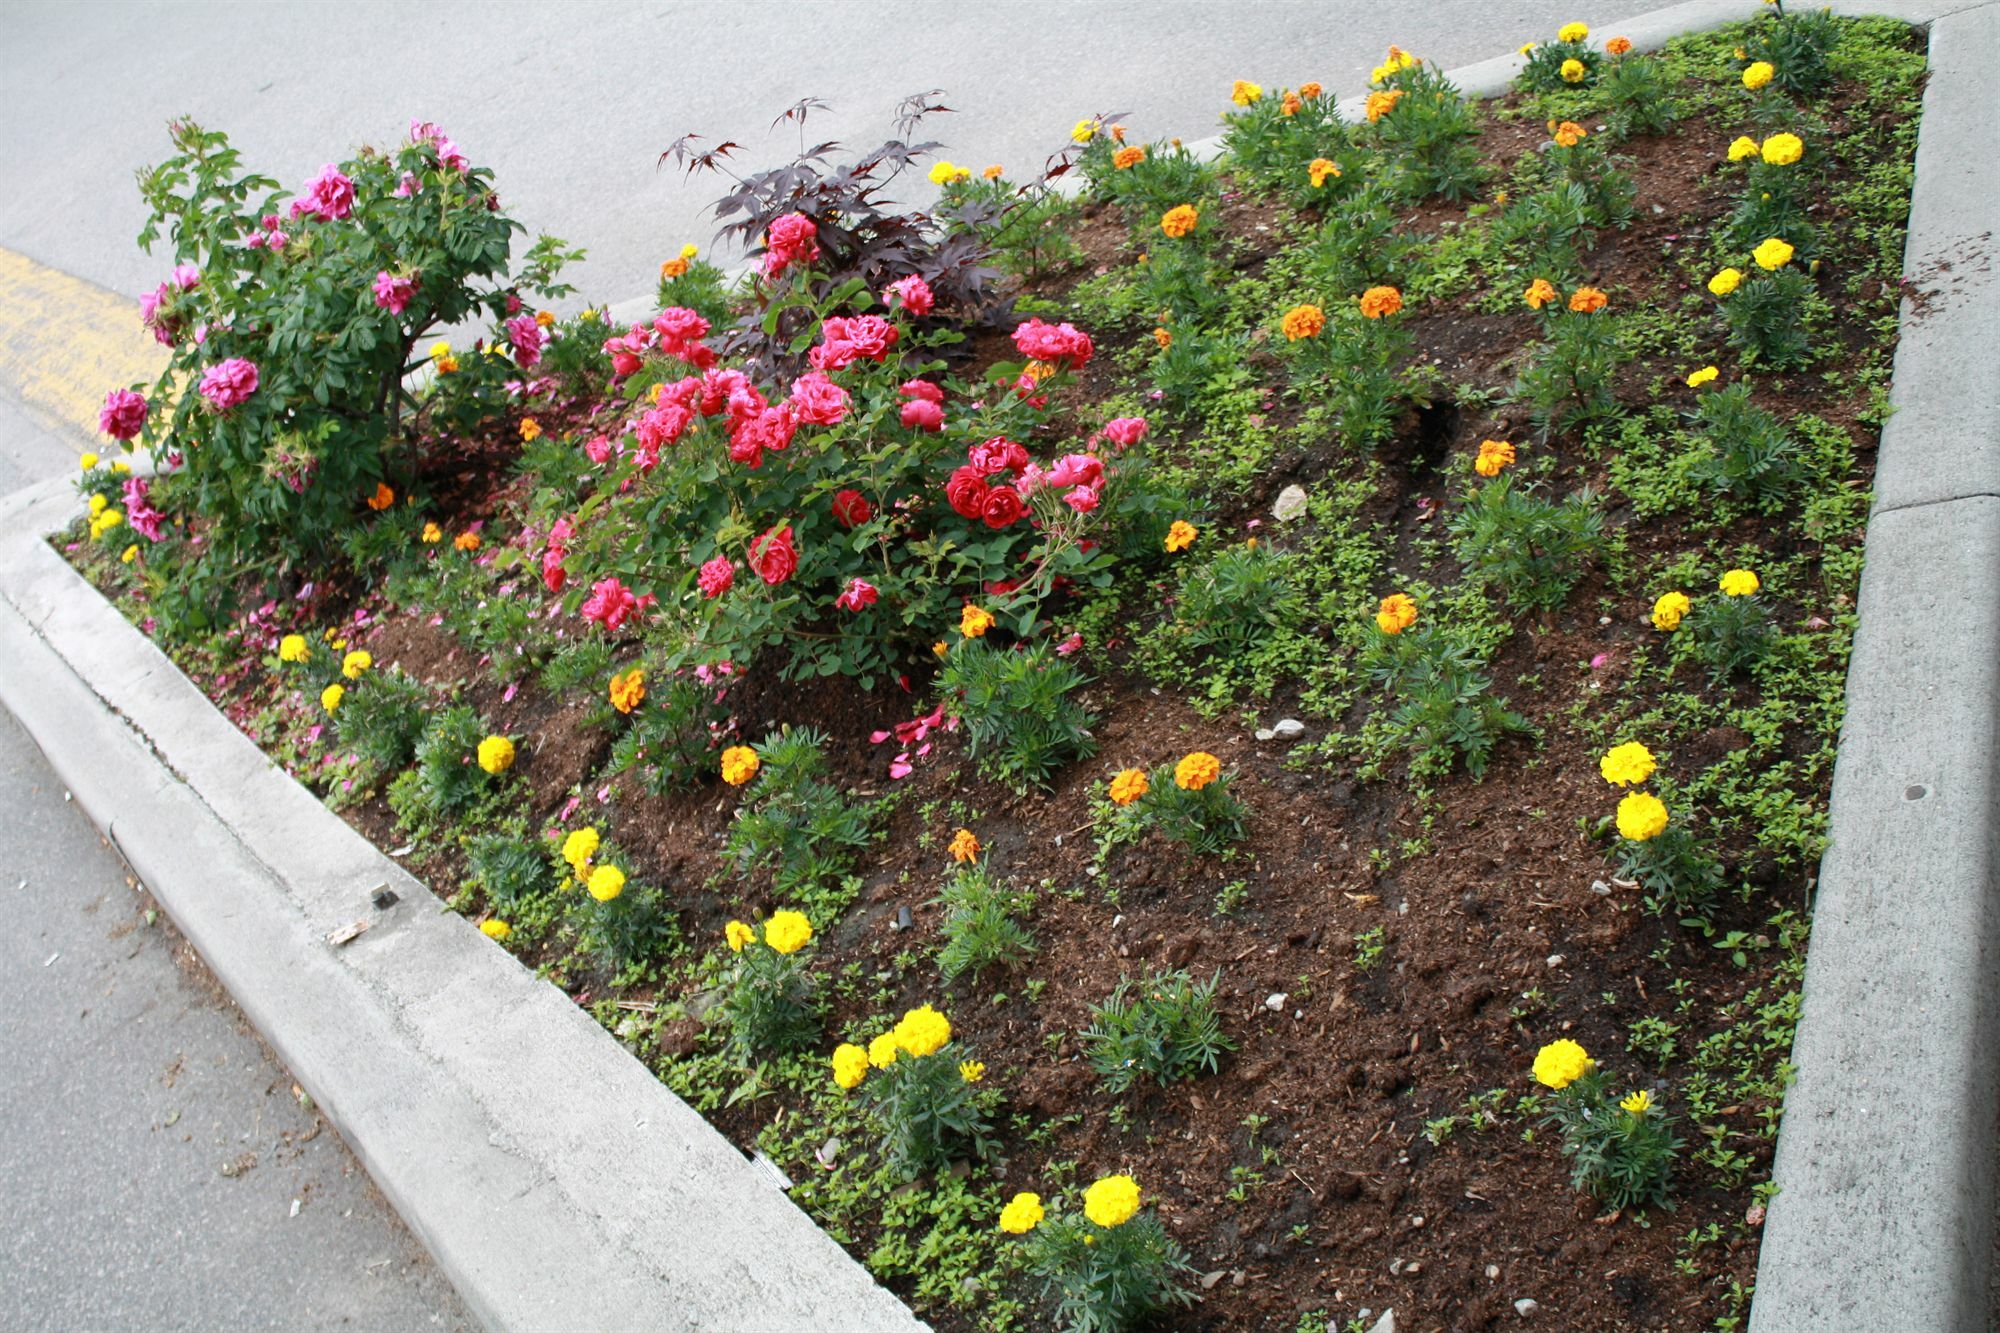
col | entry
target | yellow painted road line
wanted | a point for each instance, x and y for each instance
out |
(65, 342)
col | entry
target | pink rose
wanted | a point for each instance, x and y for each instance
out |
(140, 515)
(598, 450)
(610, 604)
(1082, 499)
(716, 577)
(679, 329)
(123, 414)
(787, 241)
(914, 293)
(393, 292)
(1077, 470)
(860, 595)
(527, 338)
(921, 389)
(1058, 344)
(227, 383)
(1003, 507)
(850, 340)
(718, 386)
(922, 414)
(1125, 431)
(997, 455)
(773, 557)
(329, 196)
(818, 399)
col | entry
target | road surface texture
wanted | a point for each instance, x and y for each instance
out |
(572, 103)
(157, 1170)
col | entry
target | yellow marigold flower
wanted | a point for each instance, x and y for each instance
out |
(1758, 74)
(356, 662)
(129, 554)
(1638, 1103)
(1526, 48)
(383, 497)
(1561, 1063)
(496, 754)
(739, 765)
(1626, 765)
(531, 429)
(1540, 292)
(1179, 220)
(97, 504)
(105, 521)
(964, 846)
(1772, 254)
(1381, 104)
(1128, 786)
(1587, 300)
(466, 541)
(940, 648)
(690, 250)
(850, 1066)
(922, 1031)
(1126, 158)
(1669, 610)
(1641, 817)
(1495, 456)
(1379, 301)
(1320, 168)
(1022, 1214)
(88, 461)
(882, 1051)
(433, 533)
(292, 648)
(737, 934)
(1569, 134)
(1739, 583)
(1083, 131)
(1572, 32)
(1703, 376)
(440, 350)
(974, 621)
(1245, 93)
(1781, 150)
(1618, 46)
(1397, 613)
(330, 697)
(1181, 535)
(948, 173)
(493, 928)
(788, 931)
(993, 172)
(1743, 146)
(1302, 321)
(1311, 89)
(605, 883)
(628, 690)
(971, 1071)
(1573, 71)
(1725, 282)
(578, 848)
(1112, 1201)
(1197, 770)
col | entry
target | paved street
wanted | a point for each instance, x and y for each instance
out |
(571, 102)
(151, 1153)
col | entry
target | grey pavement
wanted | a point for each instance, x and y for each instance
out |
(572, 102)
(151, 1152)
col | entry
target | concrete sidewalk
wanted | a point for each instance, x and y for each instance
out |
(151, 1152)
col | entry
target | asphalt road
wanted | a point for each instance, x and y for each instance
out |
(156, 1170)
(572, 101)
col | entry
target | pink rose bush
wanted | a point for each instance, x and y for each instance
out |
(229, 383)
(123, 415)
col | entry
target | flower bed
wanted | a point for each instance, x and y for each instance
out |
(1206, 705)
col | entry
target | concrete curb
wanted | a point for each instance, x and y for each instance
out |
(557, 1182)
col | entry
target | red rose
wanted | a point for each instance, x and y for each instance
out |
(773, 557)
(1003, 506)
(966, 492)
(851, 508)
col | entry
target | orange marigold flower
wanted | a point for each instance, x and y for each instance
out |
(1118, 134)
(1494, 456)
(383, 497)
(1379, 301)
(433, 533)
(1303, 321)
(1163, 338)
(1320, 168)
(674, 268)
(1128, 157)
(1181, 535)
(1179, 220)
(1618, 46)
(992, 173)
(1310, 89)
(531, 429)
(1129, 786)
(1569, 134)
(466, 541)
(1397, 613)
(544, 318)
(1197, 771)
(1540, 292)
(1381, 104)
(628, 690)
(964, 846)
(974, 621)
(739, 764)
(1587, 300)
(1290, 106)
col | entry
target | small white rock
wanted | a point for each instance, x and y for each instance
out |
(1555, 960)
(1266, 734)
(1599, 887)
(1288, 728)
(1386, 1324)
(1492, 1272)
(1290, 504)
(1275, 1003)
(1525, 1307)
